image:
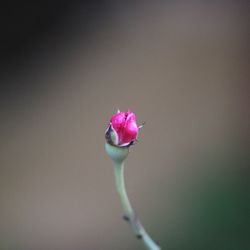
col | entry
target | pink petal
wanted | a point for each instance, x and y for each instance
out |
(130, 132)
(118, 121)
(130, 117)
(125, 127)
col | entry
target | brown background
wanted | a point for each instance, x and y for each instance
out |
(182, 68)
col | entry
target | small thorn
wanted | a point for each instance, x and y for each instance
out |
(157, 243)
(125, 217)
(139, 236)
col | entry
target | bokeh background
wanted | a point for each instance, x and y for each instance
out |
(182, 66)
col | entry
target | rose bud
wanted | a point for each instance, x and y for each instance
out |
(122, 130)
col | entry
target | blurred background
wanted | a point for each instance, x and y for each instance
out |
(181, 66)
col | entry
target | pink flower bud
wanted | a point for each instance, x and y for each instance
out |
(122, 130)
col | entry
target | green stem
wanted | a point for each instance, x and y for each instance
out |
(129, 213)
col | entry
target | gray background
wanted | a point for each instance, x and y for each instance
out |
(180, 66)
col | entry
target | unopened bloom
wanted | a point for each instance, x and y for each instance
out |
(122, 130)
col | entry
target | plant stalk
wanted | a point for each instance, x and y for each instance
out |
(129, 214)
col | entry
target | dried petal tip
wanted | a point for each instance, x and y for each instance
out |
(142, 125)
(123, 129)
